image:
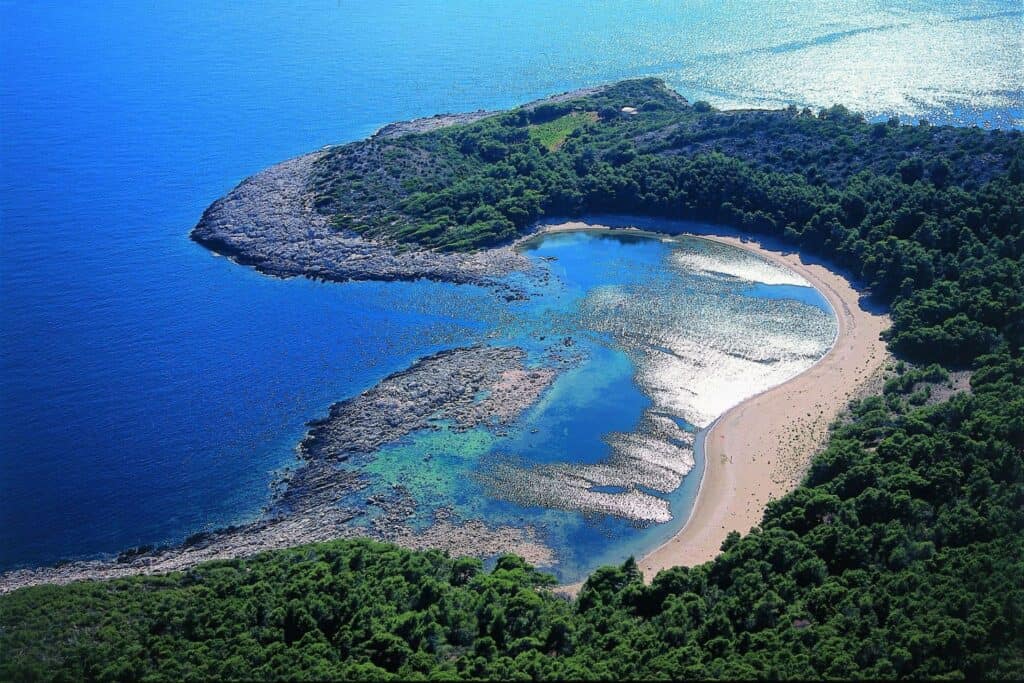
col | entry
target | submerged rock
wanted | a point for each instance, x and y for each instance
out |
(319, 499)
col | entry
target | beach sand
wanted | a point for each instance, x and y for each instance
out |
(760, 449)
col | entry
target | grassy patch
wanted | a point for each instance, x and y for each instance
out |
(554, 133)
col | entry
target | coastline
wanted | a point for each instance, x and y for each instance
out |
(737, 482)
(759, 450)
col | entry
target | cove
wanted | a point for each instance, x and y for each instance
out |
(634, 342)
(572, 433)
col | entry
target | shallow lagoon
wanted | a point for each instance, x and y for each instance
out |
(652, 337)
(660, 334)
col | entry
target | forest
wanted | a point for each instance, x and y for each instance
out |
(929, 218)
(901, 554)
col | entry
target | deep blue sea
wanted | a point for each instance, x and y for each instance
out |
(148, 389)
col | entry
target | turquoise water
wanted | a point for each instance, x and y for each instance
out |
(149, 390)
(605, 464)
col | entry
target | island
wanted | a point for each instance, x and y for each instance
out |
(861, 520)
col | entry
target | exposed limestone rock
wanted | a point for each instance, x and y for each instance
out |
(268, 221)
(479, 386)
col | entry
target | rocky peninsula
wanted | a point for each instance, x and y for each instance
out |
(280, 221)
(269, 222)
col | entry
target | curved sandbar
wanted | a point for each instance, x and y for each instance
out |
(760, 449)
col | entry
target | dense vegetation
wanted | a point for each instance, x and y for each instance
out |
(929, 217)
(901, 554)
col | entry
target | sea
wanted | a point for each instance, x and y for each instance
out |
(150, 390)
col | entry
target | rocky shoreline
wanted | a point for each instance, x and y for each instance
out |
(325, 496)
(426, 124)
(269, 222)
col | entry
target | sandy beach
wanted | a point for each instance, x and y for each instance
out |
(760, 449)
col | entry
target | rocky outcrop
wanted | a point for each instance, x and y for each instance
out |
(444, 386)
(269, 222)
(429, 123)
